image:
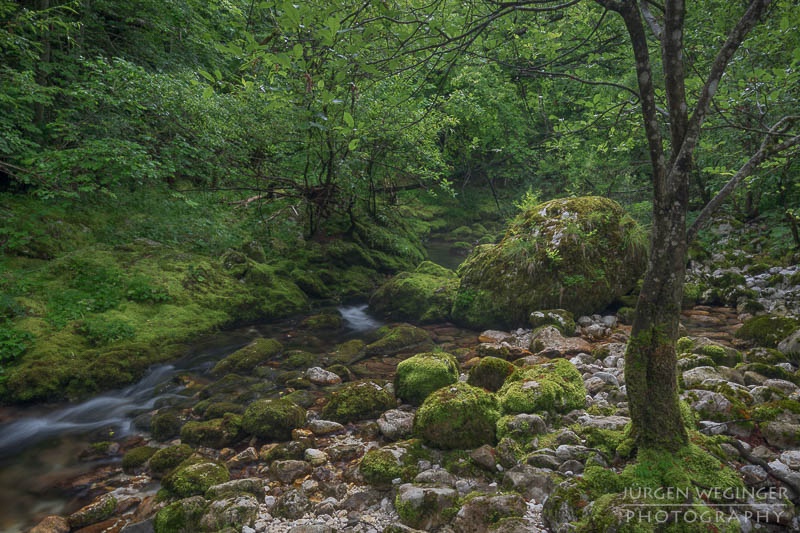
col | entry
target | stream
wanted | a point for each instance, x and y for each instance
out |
(40, 447)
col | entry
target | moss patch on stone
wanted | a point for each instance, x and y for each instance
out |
(246, 359)
(399, 339)
(458, 416)
(547, 387)
(165, 459)
(214, 433)
(421, 374)
(490, 373)
(767, 330)
(194, 478)
(182, 516)
(358, 400)
(136, 458)
(273, 419)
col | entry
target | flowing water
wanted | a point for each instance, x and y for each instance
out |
(40, 447)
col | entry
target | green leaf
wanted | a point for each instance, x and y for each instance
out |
(348, 119)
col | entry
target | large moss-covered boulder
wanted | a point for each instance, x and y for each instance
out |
(359, 400)
(459, 416)
(490, 373)
(547, 387)
(247, 358)
(420, 375)
(577, 254)
(424, 295)
(273, 419)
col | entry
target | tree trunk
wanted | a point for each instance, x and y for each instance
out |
(650, 360)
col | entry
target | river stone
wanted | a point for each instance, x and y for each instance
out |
(289, 470)
(533, 483)
(791, 458)
(421, 506)
(578, 254)
(614, 423)
(51, 524)
(781, 385)
(696, 376)
(479, 514)
(790, 346)
(100, 509)
(316, 457)
(320, 376)
(784, 432)
(236, 487)
(292, 504)
(550, 342)
(708, 403)
(233, 513)
(325, 427)
(395, 424)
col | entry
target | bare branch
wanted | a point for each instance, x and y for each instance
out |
(651, 20)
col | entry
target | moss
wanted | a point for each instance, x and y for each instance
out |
(349, 352)
(165, 424)
(300, 359)
(247, 358)
(219, 409)
(380, 467)
(136, 458)
(579, 254)
(554, 386)
(420, 375)
(273, 419)
(458, 416)
(490, 373)
(215, 433)
(194, 478)
(398, 339)
(165, 459)
(684, 345)
(770, 371)
(767, 330)
(424, 295)
(323, 322)
(181, 517)
(359, 400)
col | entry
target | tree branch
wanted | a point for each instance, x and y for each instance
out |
(767, 149)
(746, 23)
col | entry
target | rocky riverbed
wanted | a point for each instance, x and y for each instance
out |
(297, 433)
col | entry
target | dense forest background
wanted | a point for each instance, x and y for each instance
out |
(317, 130)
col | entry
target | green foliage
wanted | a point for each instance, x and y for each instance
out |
(99, 331)
(13, 344)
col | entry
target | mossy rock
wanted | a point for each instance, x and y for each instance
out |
(561, 319)
(420, 375)
(214, 433)
(767, 330)
(182, 516)
(273, 419)
(359, 400)
(165, 459)
(221, 408)
(300, 359)
(246, 359)
(349, 352)
(331, 321)
(490, 373)
(578, 254)
(165, 424)
(556, 386)
(770, 371)
(458, 416)
(195, 478)
(398, 339)
(136, 458)
(424, 295)
(719, 354)
(380, 466)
